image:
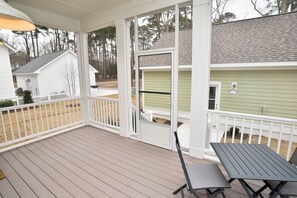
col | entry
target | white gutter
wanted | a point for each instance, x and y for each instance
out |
(235, 66)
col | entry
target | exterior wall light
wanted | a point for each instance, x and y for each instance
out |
(13, 19)
(233, 89)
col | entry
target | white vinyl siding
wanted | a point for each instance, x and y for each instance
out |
(52, 78)
(21, 82)
(6, 82)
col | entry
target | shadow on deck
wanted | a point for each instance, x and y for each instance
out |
(89, 162)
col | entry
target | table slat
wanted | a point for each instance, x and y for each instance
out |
(254, 161)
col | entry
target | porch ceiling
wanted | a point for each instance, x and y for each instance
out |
(75, 9)
(87, 15)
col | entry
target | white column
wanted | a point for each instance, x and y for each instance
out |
(83, 74)
(124, 75)
(200, 75)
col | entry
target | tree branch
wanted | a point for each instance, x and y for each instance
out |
(255, 7)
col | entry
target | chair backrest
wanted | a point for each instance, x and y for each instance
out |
(293, 159)
(182, 161)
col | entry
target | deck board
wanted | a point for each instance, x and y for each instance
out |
(128, 162)
(76, 179)
(27, 176)
(7, 189)
(89, 162)
(63, 181)
(43, 177)
(22, 188)
(103, 173)
(144, 154)
(114, 170)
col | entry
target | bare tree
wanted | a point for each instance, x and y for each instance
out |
(275, 6)
(70, 76)
(218, 12)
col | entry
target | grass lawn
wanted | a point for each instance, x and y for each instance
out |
(45, 117)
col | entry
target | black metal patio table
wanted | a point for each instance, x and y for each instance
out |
(254, 162)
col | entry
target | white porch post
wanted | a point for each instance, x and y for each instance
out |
(124, 75)
(200, 75)
(83, 74)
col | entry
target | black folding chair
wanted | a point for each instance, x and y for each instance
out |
(289, 189)
(201, 176)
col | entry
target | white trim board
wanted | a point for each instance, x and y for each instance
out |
(234, 66)
(255, 66)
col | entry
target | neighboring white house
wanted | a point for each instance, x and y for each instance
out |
(6, 81)
(52, 73)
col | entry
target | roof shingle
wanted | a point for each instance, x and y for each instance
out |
(265, 39)
(37, 63)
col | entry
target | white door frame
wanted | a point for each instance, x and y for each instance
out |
(174, 78)
(173, 101)
(216, 84)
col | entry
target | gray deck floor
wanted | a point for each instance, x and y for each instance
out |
(89, 162)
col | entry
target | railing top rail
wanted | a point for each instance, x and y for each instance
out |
(37, 104)
(9, 98)
(102, 98)
(46, 95)
(252, 116)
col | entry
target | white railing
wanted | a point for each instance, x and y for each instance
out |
(280, 134)
(19, 100)
(43, 98)
(24, 122)
(104, 112)
(146, 115)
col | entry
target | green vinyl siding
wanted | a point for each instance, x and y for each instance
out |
(184, 91)
(272, 93)
(161, 81)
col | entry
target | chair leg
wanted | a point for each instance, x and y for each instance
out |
(179, 189)
(215, 193)
(195, 194)
(182, 193)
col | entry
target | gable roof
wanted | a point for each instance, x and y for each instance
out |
(11, 49)
(265, 39)
(38, 63)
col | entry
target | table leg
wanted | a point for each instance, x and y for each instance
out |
(247, 188)
(261, 190)
(274, 192)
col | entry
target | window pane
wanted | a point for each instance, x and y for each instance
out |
(212, 92)
(211, 104)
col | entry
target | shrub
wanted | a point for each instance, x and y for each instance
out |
(27, 97)
(19, 91)
(6, 103)
(236, 131)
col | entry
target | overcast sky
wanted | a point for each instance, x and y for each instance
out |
(243, 9)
